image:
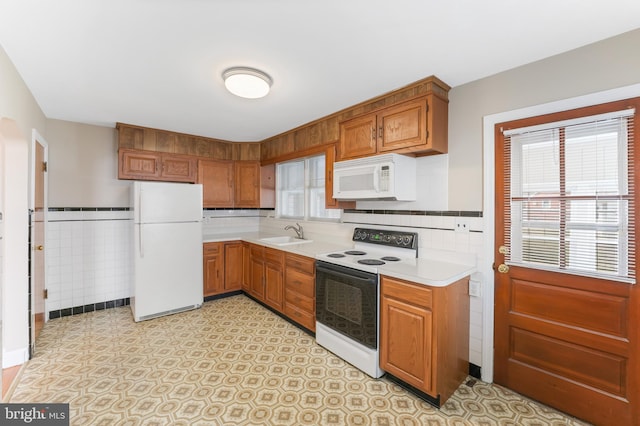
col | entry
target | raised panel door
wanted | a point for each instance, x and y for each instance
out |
(274, 285)
(178, 169)
(233, 266)
(246, 267)
(247, 184)
(256, 266)
(213, 276)
(140, 165)
(358, 137)
(402, 126)
(406, 333)
(216, 177)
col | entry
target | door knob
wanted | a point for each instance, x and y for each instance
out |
(503, 269)
(503, 250)
(40, 247)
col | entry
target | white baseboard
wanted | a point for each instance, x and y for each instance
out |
(15, 357)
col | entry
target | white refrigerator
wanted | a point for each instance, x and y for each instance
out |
(167, 248)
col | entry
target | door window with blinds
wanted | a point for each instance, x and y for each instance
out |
(301, 190)
(569, 196)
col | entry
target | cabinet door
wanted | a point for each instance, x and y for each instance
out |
(273, 275)
(329, 201)
(247, 184)
(274, 285)
(403, 126)
(406, 337)
(246, 267)
(216, 177)
(233, 266)
(141, 165)
(176, 168)
(213, 269)
(358, 137)
(257, 273)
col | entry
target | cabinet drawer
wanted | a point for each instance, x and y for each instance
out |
(301, 263)
(300, 283)
(211, 248)
(301, 317)
(415, 294)
(273, 255)
(257, 251)
(300, 301)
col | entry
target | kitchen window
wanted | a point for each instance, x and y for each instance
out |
(571, 196)
(300, 190)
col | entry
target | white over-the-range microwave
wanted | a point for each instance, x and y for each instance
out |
(380, 177)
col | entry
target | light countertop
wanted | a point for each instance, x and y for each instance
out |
(435, 273)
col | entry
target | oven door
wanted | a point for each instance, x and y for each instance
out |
(347, 302)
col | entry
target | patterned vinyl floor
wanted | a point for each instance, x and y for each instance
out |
(233, 362)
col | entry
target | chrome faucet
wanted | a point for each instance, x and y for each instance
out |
(299, 231)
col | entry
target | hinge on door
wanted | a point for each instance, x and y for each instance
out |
(45, 293)
(44, 166)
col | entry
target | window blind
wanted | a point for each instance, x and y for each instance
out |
(569, 196)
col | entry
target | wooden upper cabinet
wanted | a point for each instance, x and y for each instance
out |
(229, 183)
(329, 201)
(177, 168)
(402, 126)
(247, 184)
(417, 126)
(216, 177)
(149, 165)
(135, 164)
(357, 137)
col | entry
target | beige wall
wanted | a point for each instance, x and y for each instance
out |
(608, 64)
(83, 166)
(19, 114)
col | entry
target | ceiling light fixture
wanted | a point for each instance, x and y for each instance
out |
(247, 82)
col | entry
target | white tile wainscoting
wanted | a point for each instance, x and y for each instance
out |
(88, 259)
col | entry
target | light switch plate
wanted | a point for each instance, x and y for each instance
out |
(474, 288)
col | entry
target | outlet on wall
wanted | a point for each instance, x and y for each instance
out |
(461, 224)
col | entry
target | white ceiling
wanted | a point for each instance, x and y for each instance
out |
(158, 63)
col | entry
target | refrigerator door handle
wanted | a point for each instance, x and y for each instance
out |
(140, 238)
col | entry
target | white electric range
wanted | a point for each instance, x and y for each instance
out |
(348, 296)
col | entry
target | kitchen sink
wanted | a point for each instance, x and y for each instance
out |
(284, 241)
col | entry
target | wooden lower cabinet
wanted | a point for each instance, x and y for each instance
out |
(282, 281)
(300, 290)
(213, 268)
(233, 266)
(246, 267)
(424, 335)
(222, 267)
(266, 277)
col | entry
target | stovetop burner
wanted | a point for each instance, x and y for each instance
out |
(375, 249)
(371, 261)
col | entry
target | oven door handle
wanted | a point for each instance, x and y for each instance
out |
(371, 278)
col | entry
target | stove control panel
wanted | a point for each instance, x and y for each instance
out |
(387, 238)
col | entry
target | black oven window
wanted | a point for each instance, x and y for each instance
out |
(344, 301)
